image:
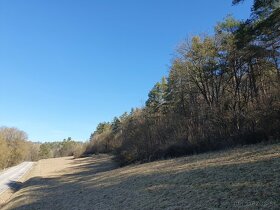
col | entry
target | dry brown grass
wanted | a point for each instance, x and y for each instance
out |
(243, 178)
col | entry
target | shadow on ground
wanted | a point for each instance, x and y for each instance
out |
(98, 183)
(14, 185)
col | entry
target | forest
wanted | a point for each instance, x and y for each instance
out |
(222, 90)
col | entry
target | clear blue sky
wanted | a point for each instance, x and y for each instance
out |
(66, 65)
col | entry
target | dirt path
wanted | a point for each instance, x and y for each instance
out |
(244, 178)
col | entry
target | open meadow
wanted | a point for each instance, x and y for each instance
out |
(241, 178)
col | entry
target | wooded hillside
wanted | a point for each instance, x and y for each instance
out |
(222, 90)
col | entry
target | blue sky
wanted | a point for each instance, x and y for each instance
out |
(66, 65)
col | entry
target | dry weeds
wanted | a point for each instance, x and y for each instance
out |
(242, 178)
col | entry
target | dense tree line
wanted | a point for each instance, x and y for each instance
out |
(67, 147)
(15, 148)
(222, 90)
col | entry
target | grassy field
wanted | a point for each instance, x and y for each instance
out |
(241, 178)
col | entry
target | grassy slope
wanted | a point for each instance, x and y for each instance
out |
(242, 178)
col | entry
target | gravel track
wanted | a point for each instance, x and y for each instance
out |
(10, 176)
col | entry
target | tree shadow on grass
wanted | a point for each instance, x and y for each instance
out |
(15, 185)
(99, 184)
